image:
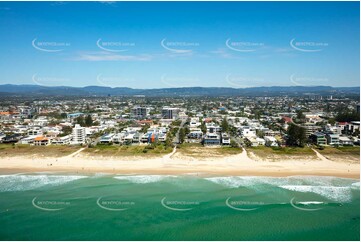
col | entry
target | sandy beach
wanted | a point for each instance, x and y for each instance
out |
(175, 163)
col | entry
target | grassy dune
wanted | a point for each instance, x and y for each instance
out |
(9, 150)
(279, 154)
(125, 150)
(343, 154)
(196, 150)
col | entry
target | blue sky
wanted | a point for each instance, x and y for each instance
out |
(180, 44)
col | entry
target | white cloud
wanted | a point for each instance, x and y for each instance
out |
(106, 56)
(223, 53)
(108, 2)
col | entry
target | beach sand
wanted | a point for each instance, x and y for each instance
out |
(176, 163)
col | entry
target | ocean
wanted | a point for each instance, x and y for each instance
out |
(58, 206)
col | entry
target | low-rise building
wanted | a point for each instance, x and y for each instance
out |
(106, 139)
(345, 140)
(261, 141)
(162, 137)
(194, 122)
(226, 140)
(195, 133)
(213, 128)
(211, 139)
(41, 141)
(270, 141)
(333, 139)
(318, 138)
(28, 140)
(64, 140)
(252, 140)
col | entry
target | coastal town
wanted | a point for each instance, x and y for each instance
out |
(141, 125)
(180, 120)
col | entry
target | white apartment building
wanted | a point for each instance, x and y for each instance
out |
(194, 123)
(248, 131)
(79, 135)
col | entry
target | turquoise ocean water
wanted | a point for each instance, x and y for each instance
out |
(57, 206)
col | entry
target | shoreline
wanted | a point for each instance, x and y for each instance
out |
(281, 174)
(234, 165)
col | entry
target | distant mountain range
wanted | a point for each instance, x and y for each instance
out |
(31, 90)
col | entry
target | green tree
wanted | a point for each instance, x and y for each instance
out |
(88, 121)
(66, 130)
(296, 135)
(347, 116)
(203, 128)
(247, 143)
(300, 115)
(234, 144)
(331, 121)
(186, 130)
(169, 141)
(80, 120)
(224, 125)
(182, 135)
(260, 133)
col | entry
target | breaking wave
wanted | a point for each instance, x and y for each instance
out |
(333, 188)
(143, 179)
(339, 194)
(21, 182)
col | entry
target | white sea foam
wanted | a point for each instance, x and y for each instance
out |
(355, 185)
(338, 194)
(333, 188)
(99, 174)
(310, 202)
(18, 182)
(142, 179)
(249, 181)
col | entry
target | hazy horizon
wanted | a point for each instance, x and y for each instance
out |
(179, 86)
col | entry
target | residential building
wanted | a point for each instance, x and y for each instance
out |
(261, 141)
(64, 140)
(213, 128)
(35, 131)
(333, 139)
(170, 113)
(162, 137)
(345, 140)
(252, 140)
(106, 139)
(270, 141)
(140, 112)
(195, 133)
(353, 126)
(194, 122)
(318, 138)
(41, 141)
(226, 140)
(79, 135)
(211, 139)
(311, 128)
